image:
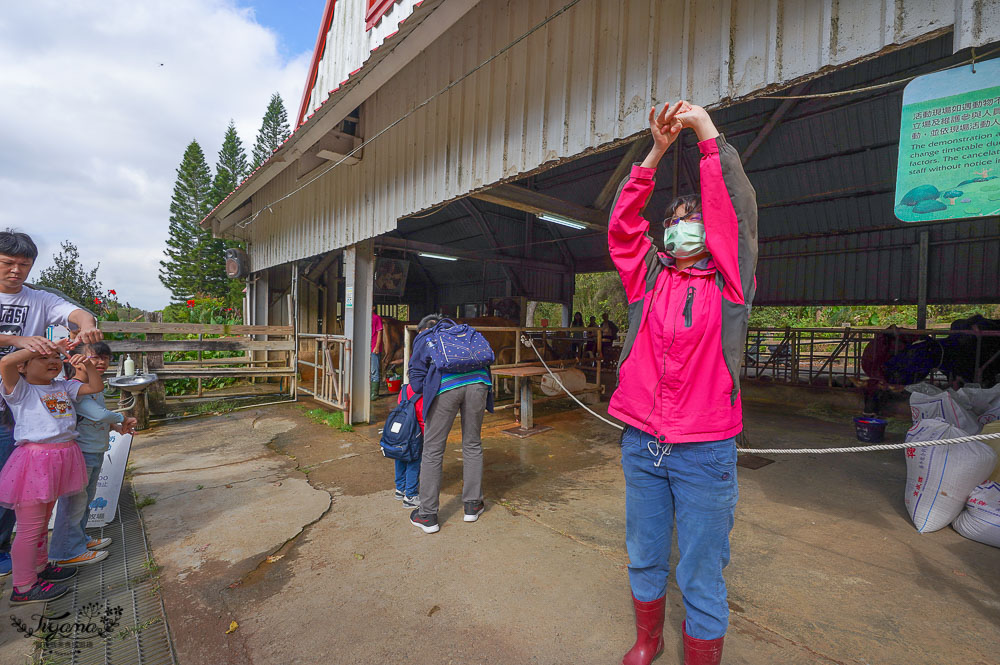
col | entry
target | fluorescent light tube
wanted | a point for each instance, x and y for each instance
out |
(440, 257)
(561, 221)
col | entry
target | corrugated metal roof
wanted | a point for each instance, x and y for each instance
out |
(824, 179)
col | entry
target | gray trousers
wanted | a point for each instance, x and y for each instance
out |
(470, 401)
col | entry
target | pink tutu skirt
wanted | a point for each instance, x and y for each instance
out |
(41, 473)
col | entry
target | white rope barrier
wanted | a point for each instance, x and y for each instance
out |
(527, 341)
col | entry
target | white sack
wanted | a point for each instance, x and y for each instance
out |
(939, 479)
(980, 399)
(940, 406)
(980, 521)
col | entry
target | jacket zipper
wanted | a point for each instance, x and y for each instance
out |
(689, 307)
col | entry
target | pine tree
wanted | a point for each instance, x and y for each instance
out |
(232, 166)
(195, 264)
(69, 276)
(273, 131)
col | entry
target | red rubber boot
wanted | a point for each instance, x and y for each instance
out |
(701, 652)
(648, 632)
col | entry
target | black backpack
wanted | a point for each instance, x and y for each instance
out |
(401, 436)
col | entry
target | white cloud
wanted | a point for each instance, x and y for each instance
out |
(98, 100)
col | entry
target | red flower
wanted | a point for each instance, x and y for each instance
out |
(112, 292)
(97, 301)
(190, 303)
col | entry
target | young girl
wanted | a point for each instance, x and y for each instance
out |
(45, 465)
(70, 545)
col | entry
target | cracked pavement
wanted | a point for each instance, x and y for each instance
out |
(289, 528)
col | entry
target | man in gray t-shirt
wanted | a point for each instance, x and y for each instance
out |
(25, 313)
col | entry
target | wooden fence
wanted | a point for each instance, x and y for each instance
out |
(267, 352)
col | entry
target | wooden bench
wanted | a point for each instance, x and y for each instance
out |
(525, 372)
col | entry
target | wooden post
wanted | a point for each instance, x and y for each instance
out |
(155, 394)
(527, 415)
(200, 365)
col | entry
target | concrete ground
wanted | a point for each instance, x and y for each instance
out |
(288, 528)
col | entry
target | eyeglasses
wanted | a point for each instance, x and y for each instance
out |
(674, 219)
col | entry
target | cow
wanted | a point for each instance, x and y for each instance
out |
(894, 358)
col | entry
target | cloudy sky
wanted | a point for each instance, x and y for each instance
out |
(99, 98)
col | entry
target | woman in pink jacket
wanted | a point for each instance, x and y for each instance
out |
(679, 391)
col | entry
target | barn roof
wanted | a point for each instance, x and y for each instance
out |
(824, 169)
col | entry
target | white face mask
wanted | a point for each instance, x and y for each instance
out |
(686, 238)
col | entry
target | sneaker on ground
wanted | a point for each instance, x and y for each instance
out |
(427, 523)
(473, 509)
(5, 564)
(41, 592)
(399, 496)
(53, 573)
(98, 543)
(85, 559)
(412, 501)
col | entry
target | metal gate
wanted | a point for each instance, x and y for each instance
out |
(324, 364)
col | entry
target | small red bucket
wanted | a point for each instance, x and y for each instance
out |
(394, 385)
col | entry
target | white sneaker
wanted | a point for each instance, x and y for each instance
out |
(98, 543)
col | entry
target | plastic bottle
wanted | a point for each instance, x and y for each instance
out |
(129, 366)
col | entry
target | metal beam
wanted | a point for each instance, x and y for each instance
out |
(537, 203)
(772, 122)
(484, 226)
(923, 261)
(606, 196)
(478, 256)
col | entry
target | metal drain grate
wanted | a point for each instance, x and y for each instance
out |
(122, 581)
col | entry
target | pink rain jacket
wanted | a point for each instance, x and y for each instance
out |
(679, 368)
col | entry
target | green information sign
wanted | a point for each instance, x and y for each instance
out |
(949, 145)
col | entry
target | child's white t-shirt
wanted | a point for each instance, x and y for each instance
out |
(43, 414)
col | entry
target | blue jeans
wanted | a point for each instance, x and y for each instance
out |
(69, 535)
(694, 485)
(375, 367)
(6, 514)
(408, 477)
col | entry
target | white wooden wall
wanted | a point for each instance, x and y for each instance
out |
(584, 81)
(348, 44)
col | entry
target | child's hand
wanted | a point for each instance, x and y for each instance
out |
(79, 363)
(129, 425)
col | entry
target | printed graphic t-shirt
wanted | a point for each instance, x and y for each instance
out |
(30, 312)
(43, 414)
(376, 326)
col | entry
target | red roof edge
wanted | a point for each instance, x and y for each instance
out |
(317, 56)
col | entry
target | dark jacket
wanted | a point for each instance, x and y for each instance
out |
(425, 377)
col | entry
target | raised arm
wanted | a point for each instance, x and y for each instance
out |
(95, 383)
(632, 250)
(87, 325)
(8, 367)
(729, 206)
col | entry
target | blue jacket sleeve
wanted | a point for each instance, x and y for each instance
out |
(419, 364)
(87, 407)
